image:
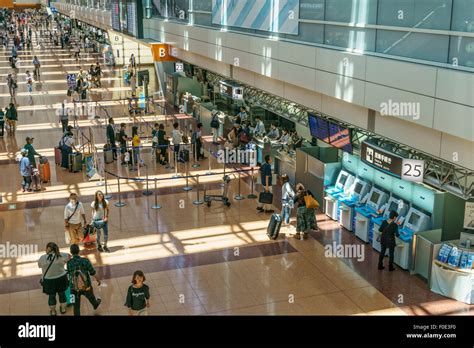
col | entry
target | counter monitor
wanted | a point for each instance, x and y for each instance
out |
(375, 197)
(358, 188)
(414, 219)
(393, 206)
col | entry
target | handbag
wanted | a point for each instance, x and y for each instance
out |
(47, 269)
(265, 198)
(310, 202)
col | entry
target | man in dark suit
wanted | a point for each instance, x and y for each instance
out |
(111, 136)
(389, 229)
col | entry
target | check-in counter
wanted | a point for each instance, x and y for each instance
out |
(285, 163)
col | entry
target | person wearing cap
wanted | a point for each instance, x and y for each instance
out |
(31, 151)
(25, 171)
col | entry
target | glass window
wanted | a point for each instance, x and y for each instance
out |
(354, 38)
(309, 32)
(428, 14)
(203, 19)
(176, 9)
(413, 45)
(351, 11)
(202, 5)
(461, 51)
(312, 9)
(463, 16)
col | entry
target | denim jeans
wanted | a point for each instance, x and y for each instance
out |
(26, 183)
(101, 226)
(285, 213)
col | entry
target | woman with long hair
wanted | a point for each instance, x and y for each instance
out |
(100, 219)
(54, 277)
(305, 216)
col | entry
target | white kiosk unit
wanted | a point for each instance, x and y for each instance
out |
(348, 203)
(416, 221)
(341, 188)
(395, 204)
(364, 214)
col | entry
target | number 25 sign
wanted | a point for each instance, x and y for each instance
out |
(413, 170)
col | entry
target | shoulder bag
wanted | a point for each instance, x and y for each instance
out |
(47, 269)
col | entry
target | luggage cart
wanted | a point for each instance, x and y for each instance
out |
(219, 198)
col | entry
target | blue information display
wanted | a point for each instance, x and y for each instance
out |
(318, 127)
(340, 137)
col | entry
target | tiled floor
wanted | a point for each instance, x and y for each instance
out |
(197, 259)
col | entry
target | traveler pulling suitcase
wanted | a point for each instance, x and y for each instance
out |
(75, 162)
(273, 229)
(45, 170)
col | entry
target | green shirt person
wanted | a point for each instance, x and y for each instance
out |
(31, 151)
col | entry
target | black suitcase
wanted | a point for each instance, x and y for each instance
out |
(184, 155)
(265, 198)
(273, 229)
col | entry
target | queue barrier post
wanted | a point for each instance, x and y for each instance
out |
(147, 192)
(107, 196)
(198, 201)
(187, 187)
(195, 164)
(239, 196)
(156, 205)
(119, 204)
(176, 175)
(252, 195)
(223, 184)
(209, 172)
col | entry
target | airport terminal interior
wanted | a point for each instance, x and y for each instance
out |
(248, 157)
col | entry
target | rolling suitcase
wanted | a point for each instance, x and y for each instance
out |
(75, 162)
(273, 229)
(45, 170)
(184, 155)
(57, 156)
(108, 154)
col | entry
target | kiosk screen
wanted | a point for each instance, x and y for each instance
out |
(342, 180)
(358, 188)
(375, 197)
(414, 219)
(393, 207)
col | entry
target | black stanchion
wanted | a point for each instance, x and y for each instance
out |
(209, 171)
(119, 204)
(252, 195)
(107, 196)
(156, 206)
(187, 187)
(239, 196)
(198, 201)
(196, 155)
(147, 192)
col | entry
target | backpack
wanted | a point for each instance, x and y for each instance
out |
(214, 122)
(79, 280)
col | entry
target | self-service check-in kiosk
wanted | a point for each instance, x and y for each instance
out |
(332, 193)
(364, 215)
(393, 204)
(416, 221)
(348, 203)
